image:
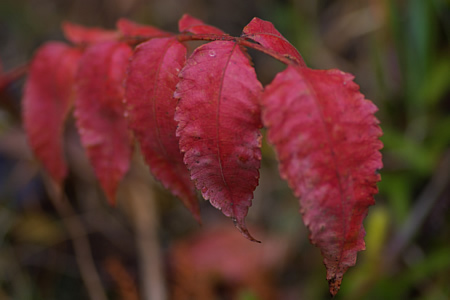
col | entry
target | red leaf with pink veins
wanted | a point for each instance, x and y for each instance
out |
(48, 97)
(218, 124)
(151, 82)
(80, 35)
(327, 141)
(265, 34)
(196, 26)
(99, 111)
(131, 29)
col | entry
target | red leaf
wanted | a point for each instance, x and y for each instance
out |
(326, 138)
(81, 35)
(131, 29)
(196, 26)
(219, 121)
(100, 112)
(265, 33)
(150, 85)
(48, 96)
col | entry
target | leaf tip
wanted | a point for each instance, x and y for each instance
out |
(194, 209)
(198, 218)
(109, 190)
(334, 285)
(240, 225)
(111, 198)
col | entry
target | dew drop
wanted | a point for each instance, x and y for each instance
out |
(125, 114)
(212, 53)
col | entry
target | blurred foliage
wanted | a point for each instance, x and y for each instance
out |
(399, 53)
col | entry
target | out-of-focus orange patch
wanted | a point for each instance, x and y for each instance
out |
(219, 262)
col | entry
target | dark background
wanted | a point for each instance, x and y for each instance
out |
(149, 245)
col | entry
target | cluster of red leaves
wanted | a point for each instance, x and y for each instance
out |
(198, 122)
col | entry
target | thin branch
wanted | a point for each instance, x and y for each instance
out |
(80, 241)
(144, 216)
(420, 211)
(126, 286)
(184, 37)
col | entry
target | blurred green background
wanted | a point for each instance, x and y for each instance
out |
(399, 52)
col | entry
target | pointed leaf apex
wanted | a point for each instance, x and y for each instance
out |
(196, 213)
(240, 225)
(111, 197)
(334, 284)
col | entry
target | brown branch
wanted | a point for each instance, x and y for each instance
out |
(126, 287)
(80, 241)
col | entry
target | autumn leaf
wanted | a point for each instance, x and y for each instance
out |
(131, 29)
(265, 34)
(196, 26)
(48, 96)
(99, 111)
(327, 141)
(80, 35)
(151, 82)
(218, 125)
